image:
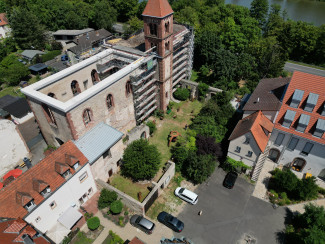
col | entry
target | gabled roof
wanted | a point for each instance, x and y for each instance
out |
(97, 141)
(3, 19)
(157, 8)
(267, 95)
(16, 193)
(311, 85)
(256, 123)
(30, 54)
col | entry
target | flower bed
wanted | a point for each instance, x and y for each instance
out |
(118, 219)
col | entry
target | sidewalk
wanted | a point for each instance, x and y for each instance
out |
(128, 232)
(300, 206)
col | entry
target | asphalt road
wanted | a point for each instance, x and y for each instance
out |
(228, 215)
(292, 67)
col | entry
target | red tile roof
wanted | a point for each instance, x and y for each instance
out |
(3, 19)
(15, 195)
(157, 8)
(309, 84)
(256, 123)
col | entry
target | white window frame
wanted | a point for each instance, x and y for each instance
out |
(83, 177)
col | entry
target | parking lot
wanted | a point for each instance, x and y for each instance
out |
(229, 214)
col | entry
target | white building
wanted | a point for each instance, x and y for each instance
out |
(4, 26)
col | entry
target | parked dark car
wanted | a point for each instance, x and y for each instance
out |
(170, 221)
(142, 223)
(64, 57)
(230, 180)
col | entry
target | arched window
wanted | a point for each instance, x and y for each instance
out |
(143, 135)
(109, 101)
(128, 88)
(167, 27)
(166, 46)
(274, 155)
(298, 164)
(94, 76)
(153, 29)
(87, 116)
(75, 88)
(166, 94)
(49, 114)
(51, 94)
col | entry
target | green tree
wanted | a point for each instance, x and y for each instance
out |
(125, 9)
(116, 207)
(179, 155)
(12, 71)
(25, 34)
(182, 94)
(307, 189)
(141, 160)
(259, 10)
(93, 223)
(106, 198)
(285, 181)
(104, 15)
(134, 24)
(199, 167)
(203, 89)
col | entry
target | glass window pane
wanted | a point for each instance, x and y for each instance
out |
(279, 139)
(307, 148)
(293, 143)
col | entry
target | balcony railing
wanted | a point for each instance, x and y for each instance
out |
(145, 86)
(148, 113)
(146, 107)
(145, 93)
(146, 100)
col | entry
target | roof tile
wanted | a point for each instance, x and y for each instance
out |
(157, 8)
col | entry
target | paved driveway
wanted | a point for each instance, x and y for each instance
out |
(292, 67)
(227, 215)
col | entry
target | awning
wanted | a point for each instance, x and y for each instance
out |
(70, 217)
(15, 173)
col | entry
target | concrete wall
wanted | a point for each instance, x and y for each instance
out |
(12, 146)
(242, 156)
(135, 205)
(315, 159)
(66, 196)
(102, 166)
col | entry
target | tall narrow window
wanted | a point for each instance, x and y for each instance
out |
(128, 88)
(87, 116)
(307, 148)
(109, 101)
(94, 76)
(293, 143)
(279, 139)
(167, 27)
(49, 114)
(75, 88)
(167, 46)
(153, 29)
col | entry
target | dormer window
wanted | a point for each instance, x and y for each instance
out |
(296, 98)
(323, 110)
(320, 128)
(66, 174)
(311, 102)
(288, 118)
(303, 122)
(76, 165)
(246, 140)
(30, 205)
(46, 192)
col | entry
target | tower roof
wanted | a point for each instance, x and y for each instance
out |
(157, 8)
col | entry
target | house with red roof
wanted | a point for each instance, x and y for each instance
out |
(298, 138)
(249, 138)
(4, 26)
(49, 194)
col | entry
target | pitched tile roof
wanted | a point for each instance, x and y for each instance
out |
(157, 8)
(15, 194)
(3, 19)
(258, 124)
(267, 95)
(309, 84)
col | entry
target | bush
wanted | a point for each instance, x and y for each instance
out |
(141, 160)
(233, 165)
(120, 221)
(115, 238)
(152, 127)
(203, 89)
(158, 113)
(182, 94)
(50, 55)
(126, 213)
(106, 198)
(93, 223)
(116, 207)
(321, 191)
(66, 240)
(179, 155)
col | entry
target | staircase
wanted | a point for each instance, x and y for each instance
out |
(259, 165)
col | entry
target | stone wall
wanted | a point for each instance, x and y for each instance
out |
(136, 132)
(195, 92)
(136, 205)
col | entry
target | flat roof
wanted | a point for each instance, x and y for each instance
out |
(33, 90)
(72, 32)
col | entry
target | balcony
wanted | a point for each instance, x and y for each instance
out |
(176, 54)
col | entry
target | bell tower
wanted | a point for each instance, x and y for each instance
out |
(158, 32)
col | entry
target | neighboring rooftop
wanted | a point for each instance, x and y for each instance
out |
(157, 8)
(303, 89)
(37, 67)
(267, 95)
(7, 100)
(97, 141)
(30, 54)
(258, 124)
(48, 172)
(18, 108)
(3, 19)
(72, 32)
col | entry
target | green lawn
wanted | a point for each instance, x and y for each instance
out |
(127, 186)
(11, 90)
(184, 115)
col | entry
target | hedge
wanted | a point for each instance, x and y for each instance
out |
(116, 207)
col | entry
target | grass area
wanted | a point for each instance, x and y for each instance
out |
(81, 238)
(127, 186)
(166, 202)
(11, 90)
(307, 65)
(187, 110)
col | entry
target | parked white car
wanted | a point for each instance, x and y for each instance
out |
(186, 195)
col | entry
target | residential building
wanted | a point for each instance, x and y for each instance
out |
(267, 97)
(29, 55)
(4, 26)
(249, 138)
(69, 35)
(120, 86)
(298, 137)
(49, 194)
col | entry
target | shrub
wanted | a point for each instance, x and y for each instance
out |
(115, 238)
(208, 145)
(307, 188)
(116, 207)
(171, 105)
(141, 160)
(93, 223)
(120, 221)
(321, 190)
(50, 55)
(179, 155)
(233, 165)
(152, 127)
(182, 94)
(126, 213)
(106, 198)
(88, 215)
(203, 89)
(158, 113)
(66, 240)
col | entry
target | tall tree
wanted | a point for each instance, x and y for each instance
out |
(104, 15)
(27, 35)
(258, 10)
(12, 71)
